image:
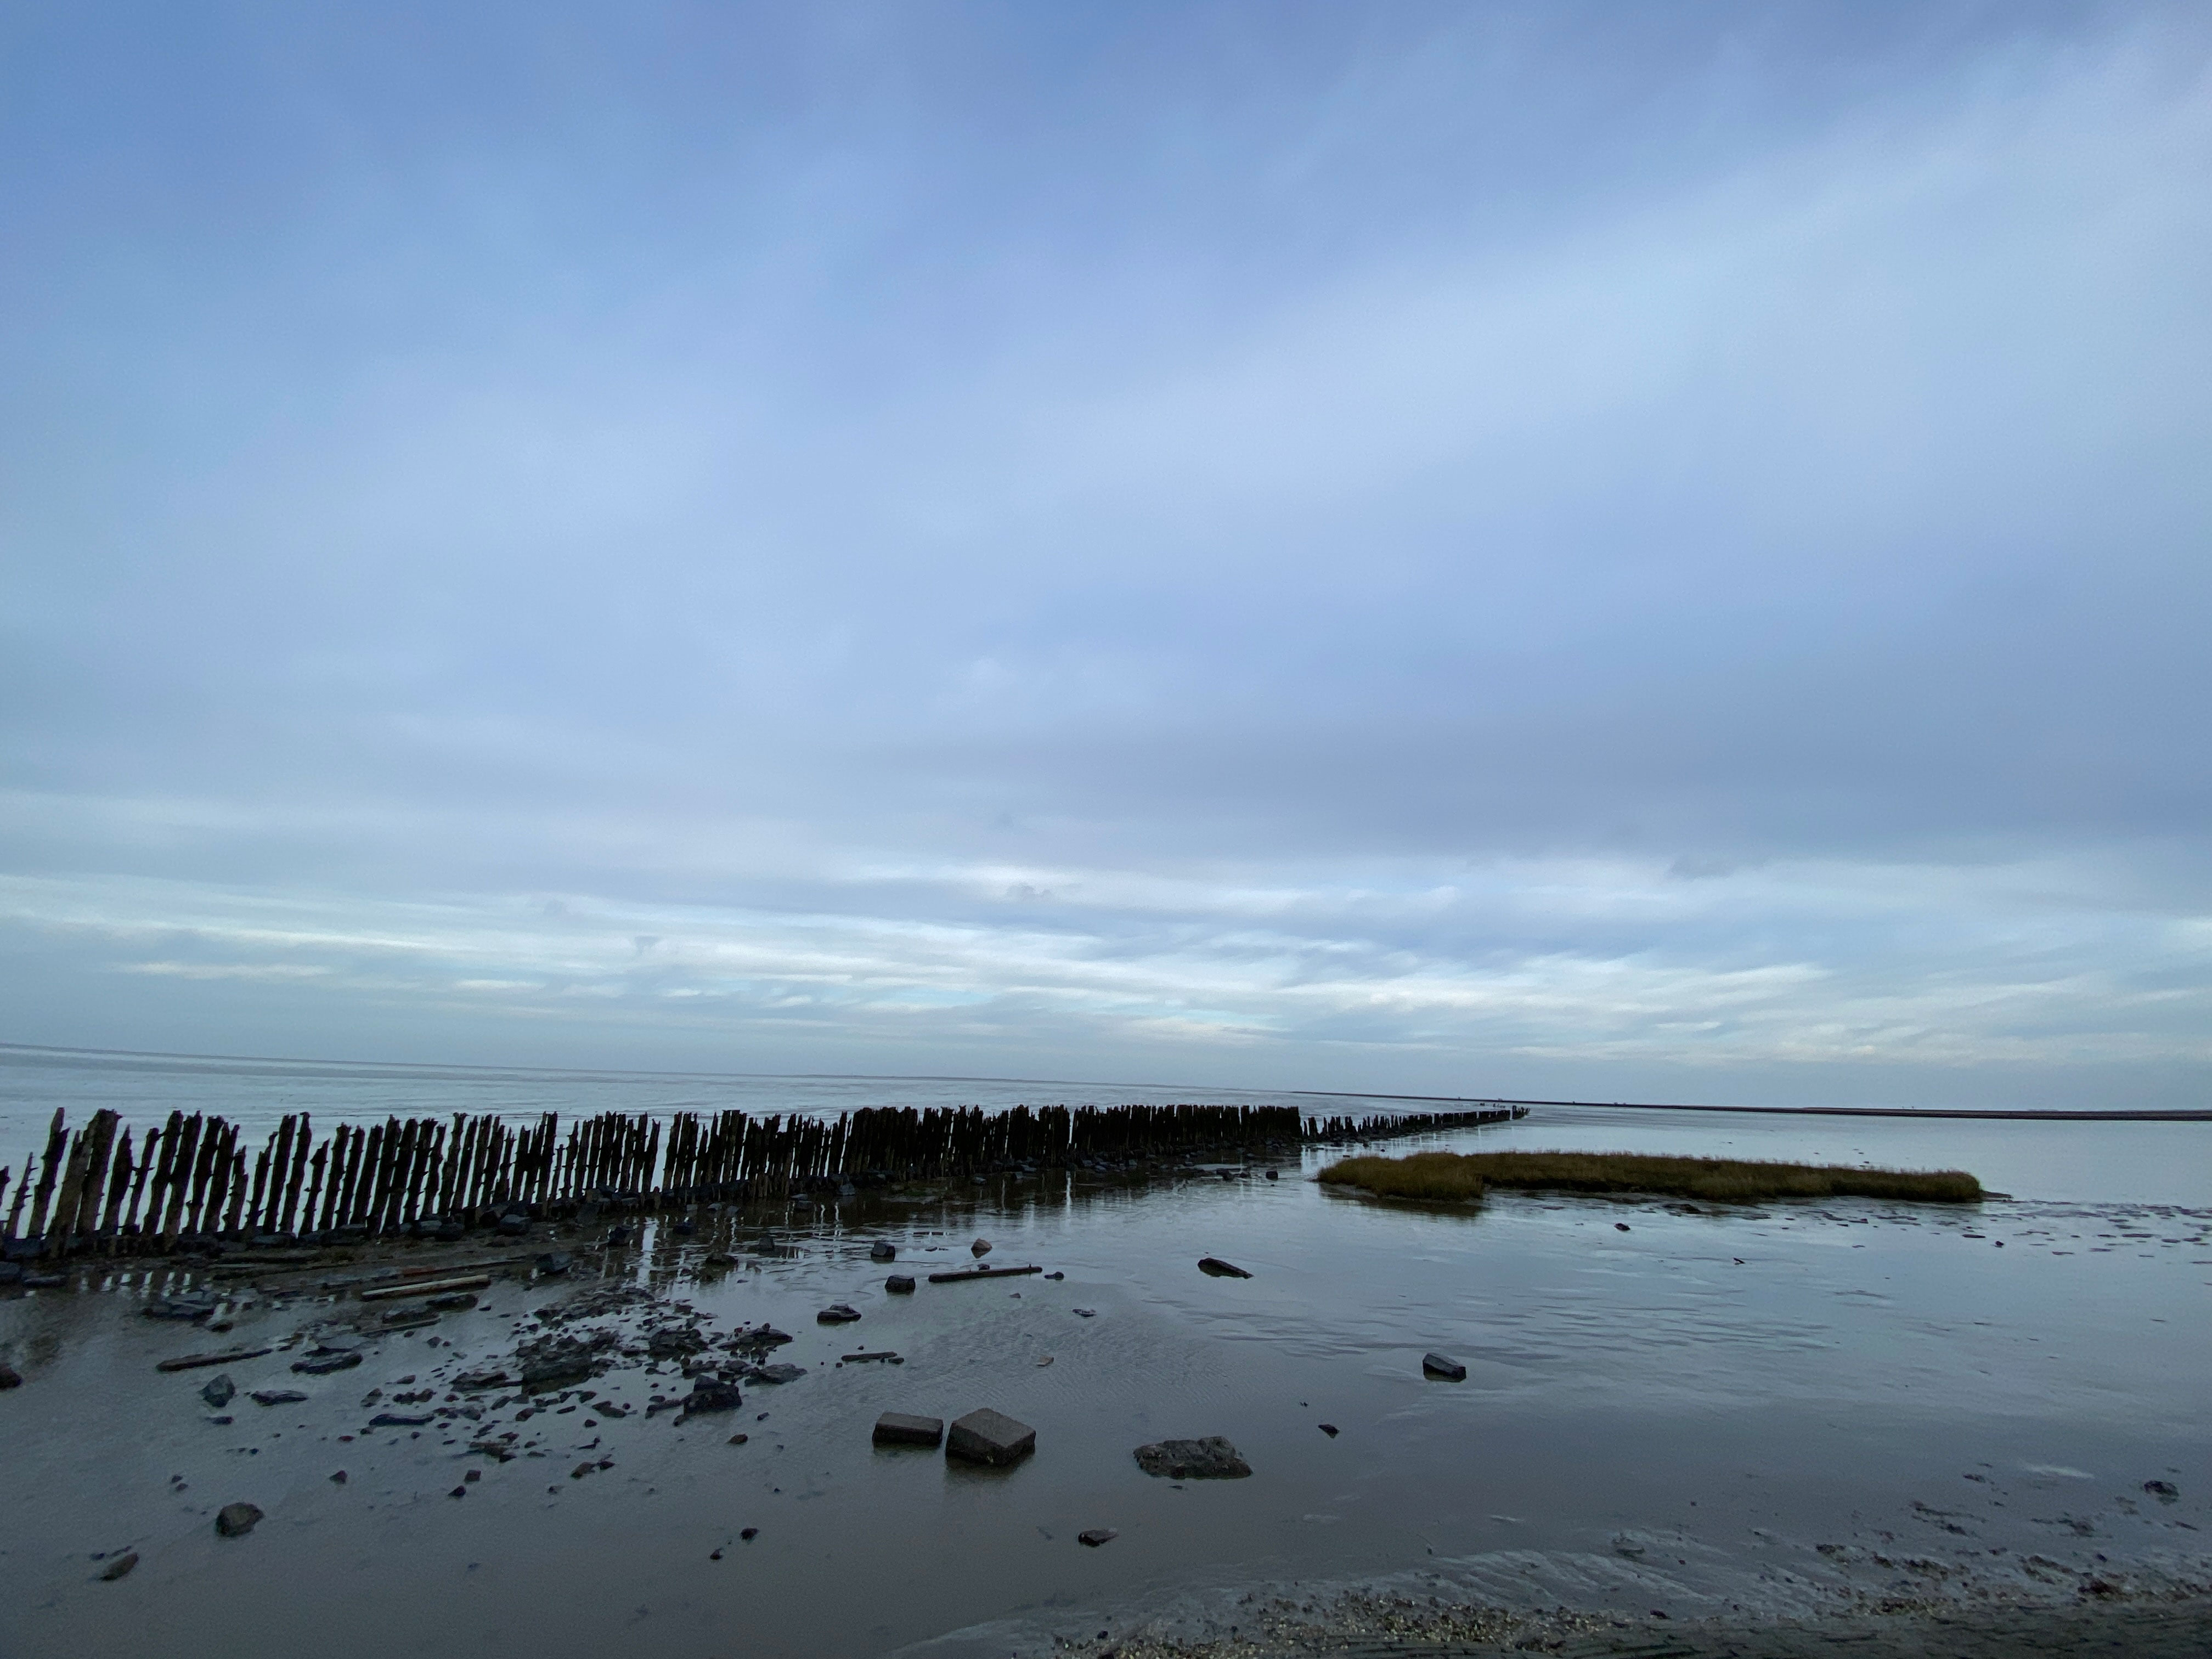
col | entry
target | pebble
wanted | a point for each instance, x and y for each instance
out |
(1210, 1459)
(1096, 1535)
(218, 1392)
(236, 1520)
(119, 1566)
(1215, 1266)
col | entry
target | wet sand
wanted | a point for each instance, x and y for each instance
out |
(1782, 1414)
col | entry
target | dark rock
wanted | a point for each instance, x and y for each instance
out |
(554, 1263)
(1330, 1430)
(400, 1421)
(451, 1233)
(777, 1373)
(1272, 1176)
(457, 1301)
(710, 1396)
(900, 1284)
(1096, 1535)
(339, 1479)
(749, 1533)
(1620, 1226)
(1055, 1276)
(740, 1439)
(990, 1436)
(323, 1362)
(883, 1250)
(758, 1340)
(11, 1273)
(461, 1490)
(474, 1382)
(1086, 1312)
(236, 1520)
(2165, 1491)
(222, 1421)
(1219, 1269)
(1210, 1459)
(218, 1393)
(46, 1281)
(980, 1247)
(674, 1342)
(513, 1226)
(175, 1307)
(277, 1396)
(119, 1566)
(1444, 1365)
(900, 1429)
(618, 1236)
(837, 1313)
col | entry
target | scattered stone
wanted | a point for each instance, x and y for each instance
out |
(474, 1382)
(837, 1313)
(338, 1478)
(1055, 1276)
(323, 1362)
(757, 1341)
(236, 1520)
(1620, 1226)
(1444, 1365)
(1096, 1535)
(990, 1436)
(748, 1533)
(900, 1429)
(277, 1396)
(400, 1421)
(192, 1362)
(2165, 1491)
(740, 1439)
(1330, 1430)
(218, 1393)
(1210, 1459)
(171, 1307)
(900, 1284)
(457, 1301)
(883, 1355)
(710, 1396)
(777, 1373)
(120, 1567)
(1086, 1312)
(460, 1491)
(222, 1421)
(980, 1247)
(1215, 1266)
(1272, 1176)
(554, 1263)
(883, 1250)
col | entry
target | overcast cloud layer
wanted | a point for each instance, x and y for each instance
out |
(1631, 551)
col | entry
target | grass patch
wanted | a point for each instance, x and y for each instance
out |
(1445, 1178)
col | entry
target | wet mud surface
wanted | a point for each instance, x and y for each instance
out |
(1791, 1412)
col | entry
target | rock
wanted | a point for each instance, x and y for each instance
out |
(778, 1374)
(885, 1355)
(400, 1421)
(900, 1284)
(119, 1566)
(758, 1341)
(1055, 1276)
(837, 1313)
(990, 1436)
(460, 1491)
(11, 1273)
(980, 1247)
(476, 1382)
(1218, 1268)
(43, 1281)
(748, 1533)
(1096, 1535)
(740, 1439)
(1086, 1312)
(710, 1396)
(617, 1237)
(1210, 1459)
(1272, 1176)
(451, 1233)
(236, 1520)
(339, 1479)
(175, 1307)
(1444, 1365)
(1330, 1430)
(900, 1429)
(322, 1364)
(554, 1263)
(883, 1250)
(1620, 1226)
(277, 1396)
(513, 1226)
(458, 1301)
(2165, 1491)
(222, 1421)
(219, 1392)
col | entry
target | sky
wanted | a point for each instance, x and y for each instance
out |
(1612, 552)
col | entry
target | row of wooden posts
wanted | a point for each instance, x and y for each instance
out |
(193, 1178)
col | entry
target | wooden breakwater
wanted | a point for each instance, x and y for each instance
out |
(195, 1177)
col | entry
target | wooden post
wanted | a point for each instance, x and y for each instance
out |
(287, 1215)
(57, 1143)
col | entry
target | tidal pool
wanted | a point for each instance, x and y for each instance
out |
(1774, 1410)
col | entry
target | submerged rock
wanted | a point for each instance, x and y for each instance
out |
(778, 1374)
(323, 1362)
(1096, 1535)
(1444, 1365)
(218, 1391)
(902, 1429)
(710, 1396)
(980, 1247)
(883, 1250)
(837, 1313)
(1210, 1459)
(119, 1566)
(277, 1396)
(900, 1284)
(1216, 1267)
(236, 1520)
(990, 1436)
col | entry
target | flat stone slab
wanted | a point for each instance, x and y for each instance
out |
(1210, 1459)
(1444, 1365)
(902, 1429)
(990, 1436)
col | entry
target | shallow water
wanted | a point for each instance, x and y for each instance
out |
(1671, 1416)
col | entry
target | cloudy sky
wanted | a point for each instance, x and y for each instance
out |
(1631, 551)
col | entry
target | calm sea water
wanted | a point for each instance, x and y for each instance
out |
(1766, 1409)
